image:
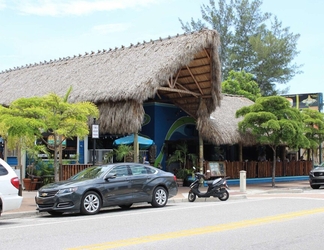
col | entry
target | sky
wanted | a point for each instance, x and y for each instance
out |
(39, 30)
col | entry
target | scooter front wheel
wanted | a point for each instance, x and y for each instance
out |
(191, 197)
(225, 196)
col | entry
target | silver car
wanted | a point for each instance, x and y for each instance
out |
(316, 176)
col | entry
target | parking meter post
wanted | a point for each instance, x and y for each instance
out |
(243, 181)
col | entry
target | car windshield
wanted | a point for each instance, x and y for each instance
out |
(91, 173)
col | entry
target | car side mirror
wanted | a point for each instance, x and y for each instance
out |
(110, 176)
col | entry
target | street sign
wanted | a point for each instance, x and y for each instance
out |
(95, 131)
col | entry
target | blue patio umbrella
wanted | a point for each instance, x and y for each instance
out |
(144, 143)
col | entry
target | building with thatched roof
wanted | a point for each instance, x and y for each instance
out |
(183, 70)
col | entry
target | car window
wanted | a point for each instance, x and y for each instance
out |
(141, 169)
(90, 173)
(120, 171)
(138, 169)
(3, 170)
(150, 170)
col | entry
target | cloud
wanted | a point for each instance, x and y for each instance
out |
(2, 4)
(111, 28)
(75, 7)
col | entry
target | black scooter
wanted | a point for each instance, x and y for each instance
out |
(216, 188)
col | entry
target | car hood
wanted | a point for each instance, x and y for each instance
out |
(66, 184)
(318, 169)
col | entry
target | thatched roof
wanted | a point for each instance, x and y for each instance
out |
(222, 126)
(183, 70)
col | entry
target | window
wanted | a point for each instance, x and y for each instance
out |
(150, 170)
(120, 171)
(3, 170)
(140, 169)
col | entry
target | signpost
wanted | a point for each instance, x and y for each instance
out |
(95, 135)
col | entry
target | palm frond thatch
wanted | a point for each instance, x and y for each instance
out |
(182, 70)
(222, 125)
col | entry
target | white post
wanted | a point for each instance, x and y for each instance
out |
(243, 181)
(86, 150)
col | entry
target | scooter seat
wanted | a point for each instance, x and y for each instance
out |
(209, 182)
(216, 180)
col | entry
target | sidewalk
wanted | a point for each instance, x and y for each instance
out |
(28, 206)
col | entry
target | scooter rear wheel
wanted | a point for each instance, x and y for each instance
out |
(191, 197)
(225, 196)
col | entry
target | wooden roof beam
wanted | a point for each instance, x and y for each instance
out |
(179, 91)
(194, 80)
(172, 82)
(207, 54)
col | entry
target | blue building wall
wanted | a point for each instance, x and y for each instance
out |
(81, 151)
(164, 122)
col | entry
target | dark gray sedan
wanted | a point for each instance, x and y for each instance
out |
(316, 176)
(120, 184)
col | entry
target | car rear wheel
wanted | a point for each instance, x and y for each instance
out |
(126, 206)
(90, 203)
(55, 213)
(160, 197)
(315, 186)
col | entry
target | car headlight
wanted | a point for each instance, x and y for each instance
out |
(311, 173)
(67, 190)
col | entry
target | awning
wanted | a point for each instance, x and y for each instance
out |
(144, 143)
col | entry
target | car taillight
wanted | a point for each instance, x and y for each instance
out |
(15, 182)
(175, 178)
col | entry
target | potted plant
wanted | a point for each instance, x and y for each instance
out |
(185, 159)
(45, 171)
(32, 174)
(30, 179)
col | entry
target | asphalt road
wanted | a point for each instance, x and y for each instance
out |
(269, 221)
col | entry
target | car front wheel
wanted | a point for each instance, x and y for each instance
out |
(160, 197)
(90, 203)
(315, 186)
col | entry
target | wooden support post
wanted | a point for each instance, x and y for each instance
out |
(136, 148)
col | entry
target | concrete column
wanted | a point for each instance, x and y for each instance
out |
(243, 181)
(86, 150)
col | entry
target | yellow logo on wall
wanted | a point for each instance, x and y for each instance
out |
(50, 141)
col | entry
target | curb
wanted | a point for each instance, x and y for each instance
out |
(208, 199)
(19, 214)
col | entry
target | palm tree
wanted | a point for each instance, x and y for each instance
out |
(123, 151)
(182, 155)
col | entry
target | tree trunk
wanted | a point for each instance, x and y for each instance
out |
(274, 160)
(201, 154)
(60, 157)
(55, 164)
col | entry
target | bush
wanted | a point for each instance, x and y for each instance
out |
(182, 173)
